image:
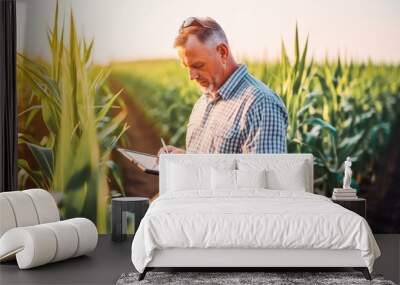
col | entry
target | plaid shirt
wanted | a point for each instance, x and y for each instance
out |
(246, 117)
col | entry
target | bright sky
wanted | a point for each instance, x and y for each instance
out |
(134, 29)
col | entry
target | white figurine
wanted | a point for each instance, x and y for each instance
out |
(347, 174)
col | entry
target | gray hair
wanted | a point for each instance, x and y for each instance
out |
(208, 32)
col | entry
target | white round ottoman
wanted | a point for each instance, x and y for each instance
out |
(31, 232)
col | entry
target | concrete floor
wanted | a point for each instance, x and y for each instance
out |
(111, 259)
(388, 263)
(102, 266)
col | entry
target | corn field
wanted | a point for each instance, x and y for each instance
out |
(70, 120)
(336, 108)
(69, 99)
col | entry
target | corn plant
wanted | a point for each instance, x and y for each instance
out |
(336, 109)
(74, 158)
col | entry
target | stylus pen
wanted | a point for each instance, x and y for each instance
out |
(164, 145)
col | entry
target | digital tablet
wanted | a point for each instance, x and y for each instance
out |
(146, 162)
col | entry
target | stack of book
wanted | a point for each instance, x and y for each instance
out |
(344, 194)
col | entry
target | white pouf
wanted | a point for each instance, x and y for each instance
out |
(31, 232)
(26, 208)
(45, 206)
(7, 218)
(41, 244)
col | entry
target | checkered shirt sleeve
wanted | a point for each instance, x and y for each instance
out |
(265, 129)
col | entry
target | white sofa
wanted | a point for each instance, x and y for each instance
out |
(31, 231)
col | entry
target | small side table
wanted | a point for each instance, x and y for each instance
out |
(122, 205)
(357, 205)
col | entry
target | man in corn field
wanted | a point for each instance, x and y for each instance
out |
(236, 113)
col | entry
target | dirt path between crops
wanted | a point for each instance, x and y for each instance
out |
(143, 136)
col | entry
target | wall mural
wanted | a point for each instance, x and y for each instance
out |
(75, 110)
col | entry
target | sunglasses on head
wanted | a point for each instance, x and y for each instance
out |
(192, 21)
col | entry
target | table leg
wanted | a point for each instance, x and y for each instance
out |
(116, 227)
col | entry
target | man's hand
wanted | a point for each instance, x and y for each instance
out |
(169, 149)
